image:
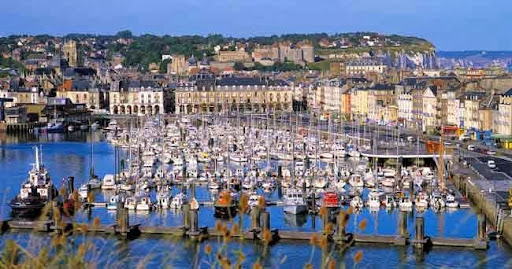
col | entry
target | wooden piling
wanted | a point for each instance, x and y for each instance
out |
(420, 240)
(186, 215)
(481, 241)
(255, 218)
(342, 237)
(265, 220)
(403, 235)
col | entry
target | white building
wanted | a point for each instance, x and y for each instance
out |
(136, 97)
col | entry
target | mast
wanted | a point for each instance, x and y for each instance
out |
(37, 158)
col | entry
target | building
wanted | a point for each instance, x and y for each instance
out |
(471, 109)
(82, 92)
(449, 110)
(234, 94)
(70, 52)
(308, 53)
(380, 96)
(405, 108)
(178, 65)
(503, 120)
(362, 67)
(359, 103)
(63, 108)
(136, 97)
(233, 56)
(429, 111)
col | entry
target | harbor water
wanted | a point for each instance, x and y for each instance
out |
(69, 155)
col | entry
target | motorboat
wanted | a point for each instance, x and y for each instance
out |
(451, 202)
(373, 200)
(293, 202)
(421, 202)
(437, 201)
(131, 203)
(112, 203)
(225, 206)
(109, 182)
(356, 202)
(331, 201)
(163, 199)
(35, 192)
(389, 202)
(356, 181)
(144, 203)
(405, 203)
(179, 200)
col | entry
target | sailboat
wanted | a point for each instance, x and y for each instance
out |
(94, 181)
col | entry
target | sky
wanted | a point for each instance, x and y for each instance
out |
(449, 24)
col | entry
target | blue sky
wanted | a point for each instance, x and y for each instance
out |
(450, 24)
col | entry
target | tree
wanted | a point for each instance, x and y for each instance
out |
(124, 34)
(239, 66)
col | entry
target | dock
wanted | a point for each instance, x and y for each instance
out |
(260, 223)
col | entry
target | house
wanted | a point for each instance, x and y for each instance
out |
(503, 120)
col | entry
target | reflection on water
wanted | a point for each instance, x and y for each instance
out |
(69, 155)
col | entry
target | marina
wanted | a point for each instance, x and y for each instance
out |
(161, 196)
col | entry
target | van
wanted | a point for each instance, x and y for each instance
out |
(464, 137)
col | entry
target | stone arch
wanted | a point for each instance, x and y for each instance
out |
(149, 110)
(122, 110)
(116, 110)
(157, 109)
(129, 109)
(142, 110)
(136, 110)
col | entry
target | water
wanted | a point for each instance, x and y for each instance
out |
(69, 155)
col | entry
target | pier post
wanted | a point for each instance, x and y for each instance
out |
(481, 236)
(123, 219)
(255, 218)
(265, 220)
(342, 237)
(403, 235)
(419, 239)
(71, 184)
(193, 232)
(186, 215)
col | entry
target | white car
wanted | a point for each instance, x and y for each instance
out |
(491, 152)
(471, 147)
(491, 164)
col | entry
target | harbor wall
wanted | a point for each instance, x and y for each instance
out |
(474, 193)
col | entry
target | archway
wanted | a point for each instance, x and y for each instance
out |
(129, 110)
(136, 110)
(157, 109)
(123, 110)
(150, 110)
(116, 110)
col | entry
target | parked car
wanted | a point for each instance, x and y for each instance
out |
(491, 164)
(491, 152)
(471, 147)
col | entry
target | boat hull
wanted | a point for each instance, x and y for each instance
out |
(26, 209)
(225, 212)
(295, 209)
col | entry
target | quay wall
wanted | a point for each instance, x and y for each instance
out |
(473, 192)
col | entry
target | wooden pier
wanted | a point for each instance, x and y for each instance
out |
(260, 222)
(15, 128)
